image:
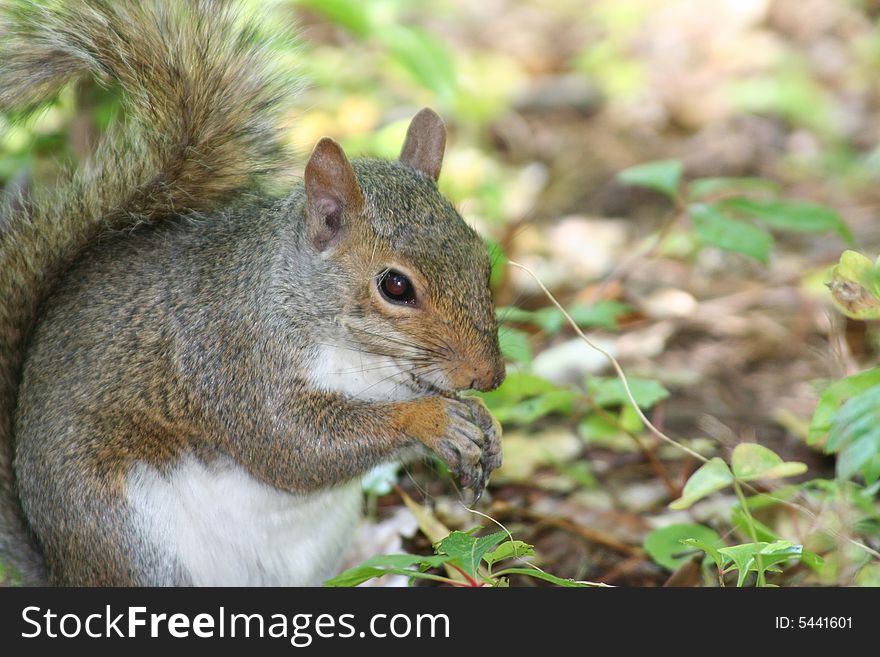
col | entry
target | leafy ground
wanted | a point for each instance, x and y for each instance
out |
(728, 345)
(703, 274)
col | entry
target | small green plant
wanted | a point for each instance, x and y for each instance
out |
(669, 545)
(738, 215)
(525, 398)
(611, 409)
(749, 462)
(759, 557)
(735, 214)
(474, 558)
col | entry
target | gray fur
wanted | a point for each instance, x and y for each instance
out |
(183, 308)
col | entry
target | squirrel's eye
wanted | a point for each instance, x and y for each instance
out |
(396, 287)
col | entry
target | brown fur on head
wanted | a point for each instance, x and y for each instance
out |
(376, 219)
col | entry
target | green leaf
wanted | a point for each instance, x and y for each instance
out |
(762, 557)
(515, 345)
(871, 470)
(610, 391)
(357, 576)
(798, 216)
(856, 433)
(780, 494)
(852, 265)
(752, 461)
(600, 431)
(540, 574)
(703, 187)
(665, 545)
(516, 387)
(855, 286)
(662, 176)
(508, 550)
(550, 320)
(743, 556)
(386, 564)
(711, 549)
(745, 524)
(524, 398)
(856, 455)
(708, 478)
(514, 314)
(812, 559)
(629, 419)
(580, 473)
(715, 227)
(602, 314)
(467, 550)
(779, 552)
(831, 399)
(529, 410)
(353, 15)
(424, 56)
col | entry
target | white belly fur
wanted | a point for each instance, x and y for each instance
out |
(227, 528)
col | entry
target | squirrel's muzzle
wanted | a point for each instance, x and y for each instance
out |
(483, 377)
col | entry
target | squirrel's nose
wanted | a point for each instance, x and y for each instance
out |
(489, 377)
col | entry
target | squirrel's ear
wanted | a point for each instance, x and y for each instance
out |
(425, 143)
(332, 191)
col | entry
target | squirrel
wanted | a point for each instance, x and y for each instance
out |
(197, 367)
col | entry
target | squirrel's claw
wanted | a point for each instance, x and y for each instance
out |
(490, 458)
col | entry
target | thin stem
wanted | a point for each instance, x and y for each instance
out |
(470, 580)
(753, 532)
(420, 575)
(614, 363)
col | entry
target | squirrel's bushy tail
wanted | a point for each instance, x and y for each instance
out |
(203, 104)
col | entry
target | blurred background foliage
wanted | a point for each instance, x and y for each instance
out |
(781, 88)
(744, 103)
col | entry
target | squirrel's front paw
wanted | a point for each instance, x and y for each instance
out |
(468, 440)
(491, 458)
